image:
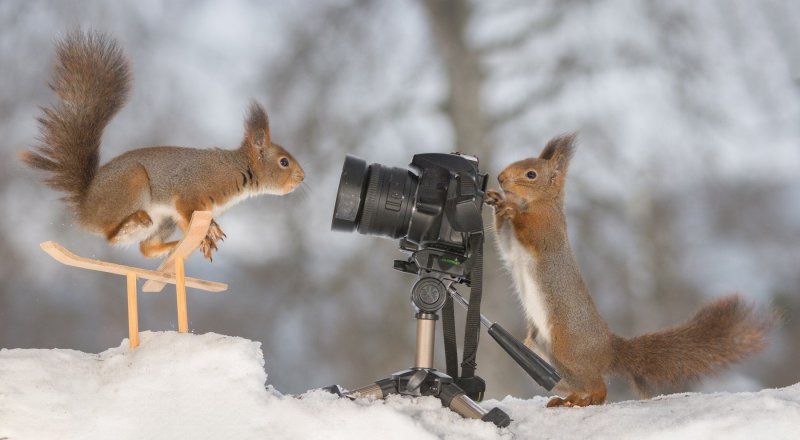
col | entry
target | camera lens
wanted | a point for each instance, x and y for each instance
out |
(374, 199)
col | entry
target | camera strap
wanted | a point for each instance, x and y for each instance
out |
(472, 385)
(472, 326)
(450, 343)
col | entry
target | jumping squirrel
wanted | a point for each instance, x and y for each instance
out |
(565, 327)
(143, 194)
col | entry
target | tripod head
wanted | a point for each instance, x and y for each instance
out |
(447, 265)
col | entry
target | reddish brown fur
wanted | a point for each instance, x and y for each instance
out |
(581, 346)
(155, 246)
(92, 79)
(722, 332)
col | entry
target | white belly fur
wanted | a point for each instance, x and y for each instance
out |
(523, 271)
(159, 212)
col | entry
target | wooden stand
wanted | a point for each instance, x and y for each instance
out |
(171, 271)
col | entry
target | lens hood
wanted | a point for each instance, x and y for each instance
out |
(349, 197)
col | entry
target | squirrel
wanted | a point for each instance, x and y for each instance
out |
(143, 194)
(564, 325)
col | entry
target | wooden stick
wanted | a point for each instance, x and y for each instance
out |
(180, 289)
(62, 255)
(133, 312)
(198, 229)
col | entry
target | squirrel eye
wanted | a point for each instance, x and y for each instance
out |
(531, 175)
(284, 162)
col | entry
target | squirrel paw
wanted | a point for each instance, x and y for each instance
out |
(503, 208)
(493, 198)
(209, 243)
(597, 397)
(215, 232)
(556, 402)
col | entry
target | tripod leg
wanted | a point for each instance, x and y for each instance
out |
(377, 390)
(454, 398)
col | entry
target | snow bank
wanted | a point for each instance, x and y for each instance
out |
(212, 386)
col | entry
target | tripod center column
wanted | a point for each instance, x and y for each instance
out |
(428, 296)
(426, 332)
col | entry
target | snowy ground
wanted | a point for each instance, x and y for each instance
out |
(212, 386)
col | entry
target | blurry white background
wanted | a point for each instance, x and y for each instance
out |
(686, 184)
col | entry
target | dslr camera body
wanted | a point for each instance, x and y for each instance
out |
(434, 209)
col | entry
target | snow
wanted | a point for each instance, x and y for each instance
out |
(212, 386)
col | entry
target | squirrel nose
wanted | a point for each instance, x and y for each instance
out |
(501, 178)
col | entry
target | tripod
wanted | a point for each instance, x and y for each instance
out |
(428, 296)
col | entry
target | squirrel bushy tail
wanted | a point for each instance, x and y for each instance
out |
(92, 79)
(722, 332)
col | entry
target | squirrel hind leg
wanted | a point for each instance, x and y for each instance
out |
(155, 248)
(596, 395)
(135, 223)
(157, 245)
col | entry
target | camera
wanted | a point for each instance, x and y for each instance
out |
(434, 208)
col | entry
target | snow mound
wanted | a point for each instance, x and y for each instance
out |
(213, 386)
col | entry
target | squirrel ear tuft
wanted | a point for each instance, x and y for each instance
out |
(257, 126)
(560, 149)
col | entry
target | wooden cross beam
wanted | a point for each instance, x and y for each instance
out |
(64, 256)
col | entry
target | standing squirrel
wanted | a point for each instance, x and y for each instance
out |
(564, 326)
(143, 194)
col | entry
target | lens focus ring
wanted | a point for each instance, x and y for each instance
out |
(370, 209)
